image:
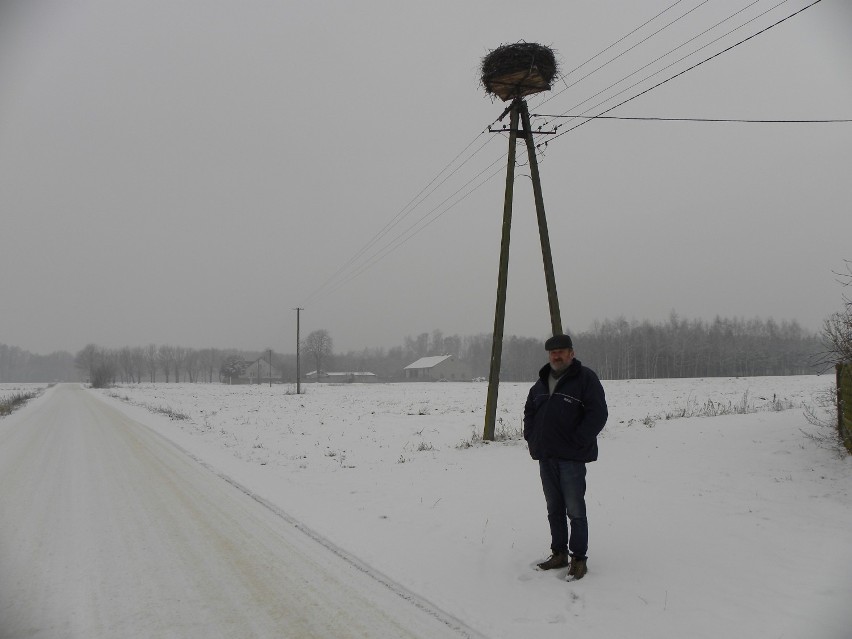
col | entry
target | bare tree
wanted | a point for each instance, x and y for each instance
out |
(189, 361)
(452, 345)
(166, 358)
(151, 361)
(436, 346)
(837, 329)
(319, 346)
(98, 364)
(208, 360)
(87, 359)
(233, 366)
(179, 361)
(416, 347)
(137, 362)
(125, 364)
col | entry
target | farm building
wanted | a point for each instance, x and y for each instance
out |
(341, 378)
(259, 371)
(437, 368)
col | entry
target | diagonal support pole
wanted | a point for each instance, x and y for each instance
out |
(502, 279)
(547, 257)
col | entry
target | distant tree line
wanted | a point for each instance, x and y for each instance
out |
(616, 349)
(18, 365)
(159, 363)
(693, 348)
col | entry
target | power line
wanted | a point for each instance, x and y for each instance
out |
(363, 256)
(413, 230)
(688, 69)
(620, 40)
(628, 50)
(404, 212)
(680, 46)
(430, 188)
(373, 252)
(655, 119)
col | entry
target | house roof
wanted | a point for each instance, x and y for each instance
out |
(262, 358)
(428, 362)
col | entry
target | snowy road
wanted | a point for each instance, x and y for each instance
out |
(108, 530)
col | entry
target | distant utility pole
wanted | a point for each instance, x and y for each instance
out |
(270, 368)
(298, 368)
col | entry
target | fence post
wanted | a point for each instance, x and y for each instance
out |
(838, 368)
(844, 403)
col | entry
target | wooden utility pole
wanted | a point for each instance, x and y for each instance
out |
(518, 111)
(298, 369)
(547, 257)
(502, 279)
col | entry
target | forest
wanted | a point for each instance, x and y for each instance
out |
(618, 349)
(615, 349)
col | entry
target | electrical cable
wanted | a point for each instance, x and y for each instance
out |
(413, 230)
(620, 40)
(597, 55)
(429, 189)
(687, 70)
(628, 50)
(541, 146)
(656, 119)
(402, 214)
(680, 46)
(338, 279)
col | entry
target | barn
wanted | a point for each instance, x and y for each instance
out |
(437, 368)
(342, 377)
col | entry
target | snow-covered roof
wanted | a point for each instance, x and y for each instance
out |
(362, 374)
(428, 362)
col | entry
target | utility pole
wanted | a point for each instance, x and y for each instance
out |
(518, 111)
(270, 368)
(298, 369)
(502, 279)
(547, 257)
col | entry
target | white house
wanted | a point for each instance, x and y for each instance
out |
(258, 371)
(437, 368)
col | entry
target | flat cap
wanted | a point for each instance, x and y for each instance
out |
(558, 342)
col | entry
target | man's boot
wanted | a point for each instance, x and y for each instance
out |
(578, 568)
(556, 560)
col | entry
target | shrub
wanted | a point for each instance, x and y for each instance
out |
(102, 375)
(8, 404)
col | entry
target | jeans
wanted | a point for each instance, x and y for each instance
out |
(564, 484)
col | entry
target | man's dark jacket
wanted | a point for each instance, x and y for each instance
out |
(565, 425)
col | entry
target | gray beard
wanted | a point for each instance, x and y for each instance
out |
(557, 374)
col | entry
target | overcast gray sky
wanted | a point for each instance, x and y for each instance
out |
(190, 172)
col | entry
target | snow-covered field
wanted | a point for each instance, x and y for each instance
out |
(12, 390)
(729, 526)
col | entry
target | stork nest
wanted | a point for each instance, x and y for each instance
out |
(515, 70)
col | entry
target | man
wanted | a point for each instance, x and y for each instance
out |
(564, 412)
